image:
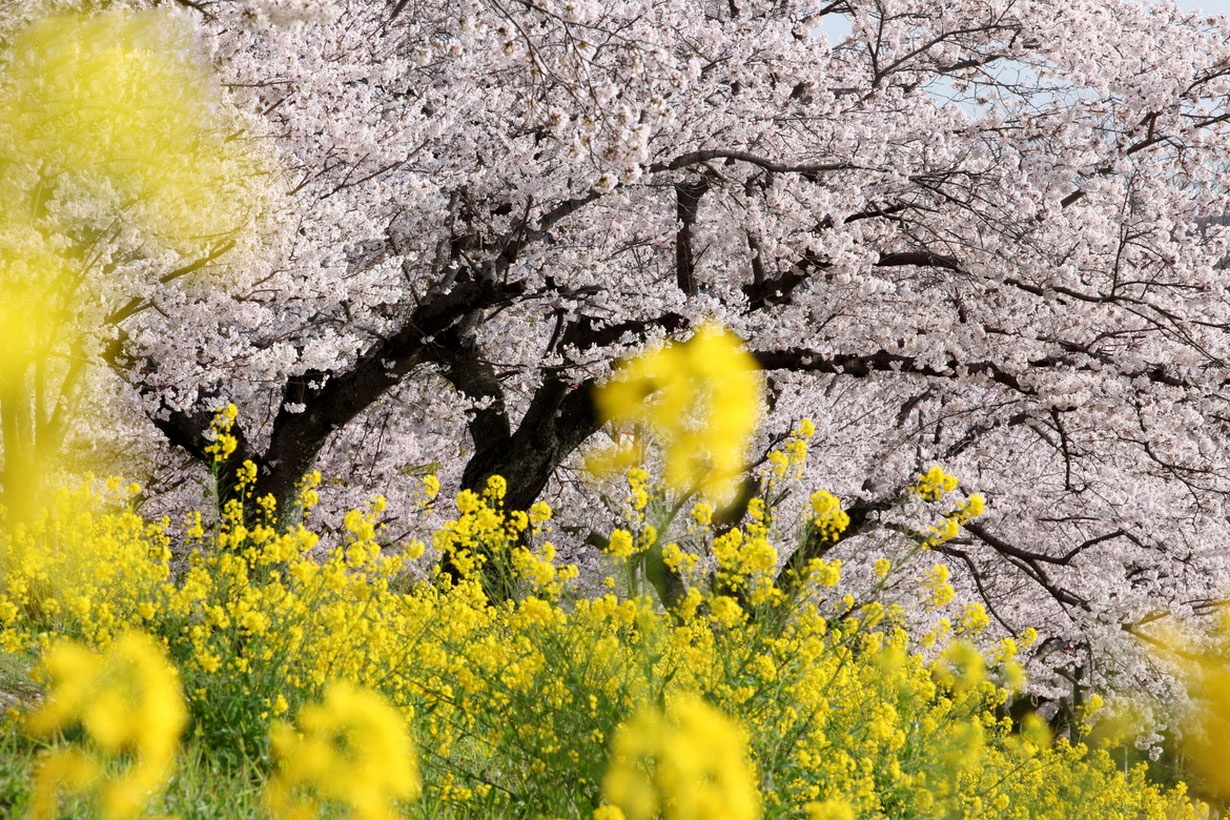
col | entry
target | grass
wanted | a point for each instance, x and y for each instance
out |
(200, 788)
(15, 685)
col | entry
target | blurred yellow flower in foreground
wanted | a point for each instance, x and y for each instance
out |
(701, 399)
(118, 110)
(113, 150)
(351, 749)
(1204, 668)
(688, 764)
(129, 704)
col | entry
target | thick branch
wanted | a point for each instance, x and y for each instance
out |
(687, 203)
(474, 376)
(313, 408)
(919, 258)
(560, 417)
(1029, 562)
(586, 332)
(881, 362)
(809, 170)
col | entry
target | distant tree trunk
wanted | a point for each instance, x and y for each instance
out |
(316, 404)
(560, 418)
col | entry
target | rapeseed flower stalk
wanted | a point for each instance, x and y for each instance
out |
(129, 706)
(351, 749)
(700, 399)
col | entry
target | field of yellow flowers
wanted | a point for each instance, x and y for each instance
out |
(253, 679)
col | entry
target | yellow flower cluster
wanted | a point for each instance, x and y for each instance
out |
(158, 142)
(701, 399)
(746, 560)
(639, 489)
(827, 517)
(350, 749)
(1201, 657)
(952, 521)
(493, 549)
(84, 569)
(690, 763)
(740, 558)
(114, 137)
(128, 704)
(939, 591)
(620, 544)
(934, 484)
(789, 460)
(534, 707)
(224, 443)
(635, 545)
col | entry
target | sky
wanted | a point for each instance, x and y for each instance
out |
(1209, 7)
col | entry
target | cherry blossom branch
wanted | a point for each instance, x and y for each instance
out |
(807, 170)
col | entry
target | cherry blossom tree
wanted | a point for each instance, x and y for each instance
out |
(983, 233)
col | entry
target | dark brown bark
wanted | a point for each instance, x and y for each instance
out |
(687, 204)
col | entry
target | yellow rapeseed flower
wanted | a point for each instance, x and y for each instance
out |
(934, 483)
(129, 704)
(223, 444)
(107, 121)
(829, 810)
(690, 763)
(120, 100)
(431, 486)
(939, 591)
(827, 516)
(701, 399)
(70, 771)
(468, 502)
(620, 544)
(351, 749)
(702, 513)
